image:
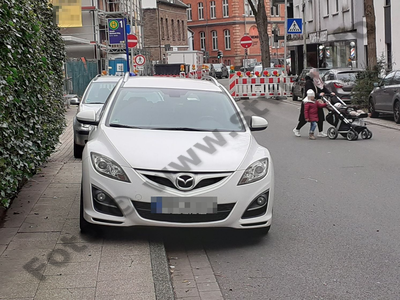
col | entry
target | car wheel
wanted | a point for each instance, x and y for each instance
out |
(332, 133)
(371, 108)
(78, 149)
(396, 112)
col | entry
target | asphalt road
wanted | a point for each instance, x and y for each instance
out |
(335, 233)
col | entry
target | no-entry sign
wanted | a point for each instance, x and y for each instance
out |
(132, 40)
(246, 41)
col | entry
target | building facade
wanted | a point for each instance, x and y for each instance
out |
(387, 45)
(219, 26)
(335, 34)
(165, 28)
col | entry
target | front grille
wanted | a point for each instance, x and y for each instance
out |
(166, 182)
(144, 210)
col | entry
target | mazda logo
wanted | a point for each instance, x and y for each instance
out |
(184, 182)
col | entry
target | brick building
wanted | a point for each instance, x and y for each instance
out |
(165, 27)
(219, 25)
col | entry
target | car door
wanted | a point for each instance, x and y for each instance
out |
(382, 97)
(394, 88)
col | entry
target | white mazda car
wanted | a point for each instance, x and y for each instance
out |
(174, 153)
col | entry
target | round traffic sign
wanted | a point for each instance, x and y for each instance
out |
(140, 60)
(132, 40)
(246, 41)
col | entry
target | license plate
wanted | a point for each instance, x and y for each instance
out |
(184, 205)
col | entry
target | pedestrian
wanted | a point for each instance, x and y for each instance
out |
(315, 83)
(311, 106)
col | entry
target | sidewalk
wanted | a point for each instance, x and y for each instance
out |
(44, 256)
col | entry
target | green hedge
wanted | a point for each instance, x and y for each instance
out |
(31, 90)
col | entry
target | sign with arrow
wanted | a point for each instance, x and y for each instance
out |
(294, 26)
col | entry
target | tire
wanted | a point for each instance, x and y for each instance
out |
(351, 135)
(396, 112)
(365, 134)
(369, 134)
(78, 149)
(371, 109)
(332, 133)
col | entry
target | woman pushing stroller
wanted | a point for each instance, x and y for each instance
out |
(314, 83)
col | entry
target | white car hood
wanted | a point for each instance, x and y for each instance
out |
(179, 150)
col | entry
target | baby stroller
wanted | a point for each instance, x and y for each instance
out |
(346, 121)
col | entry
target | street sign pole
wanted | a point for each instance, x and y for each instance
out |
(126, 44)
(304, 36)
(285, 37)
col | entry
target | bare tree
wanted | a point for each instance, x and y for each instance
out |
(371, 32)
(262, 26)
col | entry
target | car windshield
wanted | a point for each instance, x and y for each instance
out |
(218, 66)
(98, 92)
(347, 76)
(171, 109)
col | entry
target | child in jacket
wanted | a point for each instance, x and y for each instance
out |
(311, 106)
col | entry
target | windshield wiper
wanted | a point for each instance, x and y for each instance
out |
(179, 128)
(123, 126)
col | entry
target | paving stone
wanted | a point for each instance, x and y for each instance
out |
(136, 296)
(39, 223)
(2, 248)
(205, 278)
(6, 235)
(186, 292)
(118, 270)
(26, 254)
(212, 295)
(78, 268)
(66, 282)
(11, 291)
(66, 294)
(77, 252)
(124, 286)
(203, 271)
(189, 298)
(211, 286)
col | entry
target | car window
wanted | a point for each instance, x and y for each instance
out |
(347, 76)
(98, 92)
(189, 109)
(388, 79)
(396, 78)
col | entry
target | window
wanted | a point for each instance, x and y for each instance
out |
(225, 8)
(396, 79)
(173, 30)
(275, 10)
(227, 37)
(201, 11)
(311, 10)
(212, 10)
(166, 27)
(183, 30)
(247, 9)
(214, 40)
(202, 40)
(336, 6)
(327, 8)
(178, 30)
(189, 12)
(388, 79)
(162, 29)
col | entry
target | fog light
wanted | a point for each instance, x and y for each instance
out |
(101, 197)
(261, 200)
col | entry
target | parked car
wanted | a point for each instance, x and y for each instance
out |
(385, 97)
(72, 99)
(136, 169)
(212, 70)
(341, 82)
(93, 98)
(300, 82)
(221, 71)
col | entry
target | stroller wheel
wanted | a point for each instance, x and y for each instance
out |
(352, 136)
(369, 134)
(365, 134)
(332, 133)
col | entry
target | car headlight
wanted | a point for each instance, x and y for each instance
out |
(256, 171)
(107, 167)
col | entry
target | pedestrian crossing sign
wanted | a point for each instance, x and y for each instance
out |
(294, 26)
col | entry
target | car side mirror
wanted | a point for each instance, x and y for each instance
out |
(87, 117)
(258, 123)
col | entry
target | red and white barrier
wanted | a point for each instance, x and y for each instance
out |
(267, 86)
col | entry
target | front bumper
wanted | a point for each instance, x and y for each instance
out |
(134, 199)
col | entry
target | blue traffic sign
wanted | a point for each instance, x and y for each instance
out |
(294, 26)
(116, 31)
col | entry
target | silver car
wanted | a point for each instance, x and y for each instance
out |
(385, 98)
(94, 97)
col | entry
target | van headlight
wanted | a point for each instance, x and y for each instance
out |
(256, 171)
(107, 167)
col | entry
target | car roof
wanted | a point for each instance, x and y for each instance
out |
(171, 83)
(345, 70)
(107, 78)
